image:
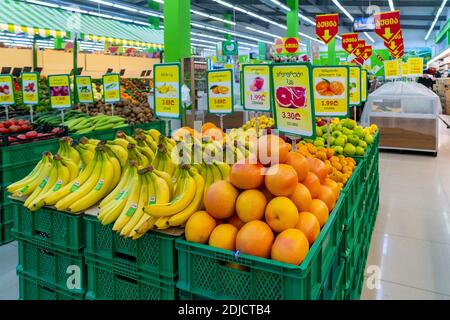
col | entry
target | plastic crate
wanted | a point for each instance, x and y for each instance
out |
(332, 284)
(152, 254)
(35, 289)
(50, 228)
(352, 231)
(353, 191)
(111, 282)
(109, 134)
(158, 125)
(6, 235)
(370, 155)
(24, 154)
(203, 270)
(11, 174)
(54, 267)
(6, 214)
(184, 295)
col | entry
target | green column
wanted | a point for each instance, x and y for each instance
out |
(261, 50)
(228, 17)
(35, 54)
(332, 52)
(154, 21)
(177, 30)
(59, 43)
(292, 18)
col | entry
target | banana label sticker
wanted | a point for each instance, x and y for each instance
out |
(167, 96)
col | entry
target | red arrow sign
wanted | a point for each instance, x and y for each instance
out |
(359, 61)
(396, 42)
(349, 42)
(359, 48)
(367, 53)
(387, 24)
(327, 26)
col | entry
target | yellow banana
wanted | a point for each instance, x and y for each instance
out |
(146, 224)
(120, 153)
(131, 206)
(117, 171)
(224, 169)
(29, 188)
(217, 176)
(29, 178)
(137, 215)
(121, 186)
(164, 175)
(208, 176)
(120, 142)
(45, 185)
(71, 166)
(147, 152)
(162, 223)
(161, 188)
(155, 134)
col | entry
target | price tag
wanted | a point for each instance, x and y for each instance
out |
(30, 88)
(220, 91)
(415, 67)
(256, 87)
(392, 69)
(331, 94)
(84, 89)
(6, 90)
(293, 105)
(355, 85)
(364, 88)
(167, 84)
(111, 88)
(60, 94)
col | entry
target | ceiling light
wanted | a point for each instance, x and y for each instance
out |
(336, 2)
(100, 15)
(201, 40)
(306, 19)
(142, 23)
(106, 3)
(369, 37)
(391, 5)
(125, 8)
(42, 3)
(73, 9)
(202, 45)
(122, 19)
(444, 2)
(148, 13)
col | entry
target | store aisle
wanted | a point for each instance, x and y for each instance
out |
(9, 288)
(411, 241)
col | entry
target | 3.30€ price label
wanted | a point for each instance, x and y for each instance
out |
(331, 91)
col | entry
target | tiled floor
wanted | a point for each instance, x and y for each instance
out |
(411, 242)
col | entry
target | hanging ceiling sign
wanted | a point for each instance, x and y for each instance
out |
(359, 48)
(358, 61)
(327, 26)
(387, 24)
(349, 42)
(396, 43)
(287, 45)
(367, 53)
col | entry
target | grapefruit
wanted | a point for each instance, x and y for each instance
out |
(283, 97)
(281, 214)
(290, 246)
(281, 180)
(312, 182)
(250, 205)
(224, 237)
(272, 149)
(319, 168)
(199, 227)
(255, 238)
(309, 225)
(298, 99)
(320, 210)
(301, 197)
(247, 175)
(299, 163)
(333, 186)
(235, 221)
(327, 196)
(220, 199)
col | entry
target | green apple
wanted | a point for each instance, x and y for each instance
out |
(319, 132)
(362, 144)
(359, 151)
(340, 141)
(320, 142)
(332, 139)
(338, 150)
(338, 127)
(353, 139)
(336, 133)
(349, 150)
(359, 131)
(368, 139)
(349, 123)
(347, 132)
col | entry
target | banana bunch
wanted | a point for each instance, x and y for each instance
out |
(174, 211)
(86, 149)
(166, 158)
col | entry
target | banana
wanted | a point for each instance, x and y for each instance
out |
(102, 187)
(117, 171)
(147, 223)
(45, 185)
(162, 190)
(217, 176)
(120, 153)
(224, 169)
(119, 142)
(86, 155)
(151, 143)
(132, 204)
(136, 216)
(181, 218)
(33, 184)
(156, 161)
(30, 177)
(164, 175)
(155, 134)
(208, 179)
(184, 196)
(120, 188)
(71, 166)
(162, 223)
(57, 195)
(147, 152)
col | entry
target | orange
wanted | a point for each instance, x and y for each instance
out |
(250, 205)
(207, 126)
(255, 238)
(327, 195)
(281, 180)
(320, 210)
(319, 168)
(333, 186)
(224, 237)
(215, 133)
(247, 175)
(290, 246)
(281, 214)
(220, 199)
(312, 183)
(299, 163)
(301, 197)
(309, 225)
(235, 221)
(199, 227)
(272, 149)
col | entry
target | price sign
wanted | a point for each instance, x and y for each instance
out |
(415, 67)
(256, 87)
(360, 47)
(387, 24)
(60, 94)
(167, 83)
(355, 85)
(220, 91)
(392, 69)
(367, 53)
(111, 87)
(405, 69)
(327, 26)
(349, 42)
(30, 88)
(331, 94)
(294, 105)
(6, 90)
(364, 89)
(83, 87)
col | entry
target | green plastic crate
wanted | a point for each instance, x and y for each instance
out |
(11, 174)
(111, 282)
(50, 228)
(109, 134)
(352, 231)
(203, 270)
(35, 289)
(54, 267)
(152, 254)
(370, 156)
(6, 213)
(353, 191)
(184, 295)
(24, 154)
(158, 125)
(6, 235)
(332, 283)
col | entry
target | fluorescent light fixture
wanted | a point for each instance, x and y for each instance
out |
(201, 40)
(141, 23)
(100, 15)
(220, 39)
(159, 1)
(444, 2)
(122, 19)
(148, 13)
(202, 45)
(306, 18)
(106, 3)
(212, 17)
(391, 5)
(73, 9)
(125, 7)
(42, 3)
(336, 2)
(369, 37)
(245, 48)
(281, 5)
(263, 32)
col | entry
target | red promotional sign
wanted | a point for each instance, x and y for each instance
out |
(358, 60)
(387, 24)
(359, 48)
(327, 26)
(367, 53)
(291, 45)
(279, 45)
(349, 42)
(396, 42)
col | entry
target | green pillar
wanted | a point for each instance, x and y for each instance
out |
(35, 54)
(228, 17)
(154, 21)
(332, 52)
(177, 30)
(59, 43)
(292, 18)
(261, 50)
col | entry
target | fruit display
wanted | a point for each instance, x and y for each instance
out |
(53, 118)
(83, 125)
(346, 137)
(14, 126)
(13, 132)
(264, 122)
(270, 209)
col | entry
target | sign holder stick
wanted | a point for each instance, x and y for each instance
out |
(31, 113)
(354, 113)
(112, 109)
(7, 113)
(257, 123)
(168, 127)
(62, 117)
(221, 120)
(293, 142)
(328, 132)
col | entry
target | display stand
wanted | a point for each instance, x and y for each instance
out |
(221, 120)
